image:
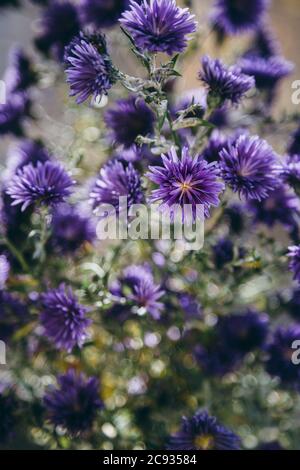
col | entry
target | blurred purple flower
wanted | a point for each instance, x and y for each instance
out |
(294, 144)
(185, 180)
(223, 252)
(75, 403)
(289, 172)
(20, 74)
(238, 16)
(128, 119)
(28, 151)
(4, 271)
(224, 83)
(13, 114)
(294, 265)
(203, 432)
(101, 13)
(46, 183)
(89, 70)
(159, 25)
(248, 167)
(63, 318)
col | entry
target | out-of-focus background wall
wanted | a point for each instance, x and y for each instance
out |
(17, 26)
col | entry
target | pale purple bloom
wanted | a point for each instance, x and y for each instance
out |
(89, 69)
(224, 83)
(4, 270)
(185, 180)
(46, 183)
(238, 16)
(248, 167)
(158, 25)
(64, 319)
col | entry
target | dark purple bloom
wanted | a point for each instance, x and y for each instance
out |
(8, 409)
(46, 183)
(236, 218)
(267, 72)
(216, 143)
(4, 271)
(224, 83)
(102, 13)
(60, 24)
(185, 180)
(290, 172)
(63, 318)
(294, 265)
(89, 70)
(75, 403)
(70, 229)
(203, 432)
(117, 179)
(248, 167)
(190, 306)
(219, 118)
(238, 16)
(20, 74)
(294, 144)
(28, 151)
(223, 252)
(128, 119)
(265, 44)
(138, 287)
(159, 25)
(281, 206)
(13, 114)
(280, 352)
(244, 332)
(217, 359)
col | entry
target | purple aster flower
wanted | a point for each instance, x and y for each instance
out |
(60, 24)
(159, 25)
(223, 252)
(294, 144)
(279, 362)
(138, 287)
(244, 332)
(28, 151)
(203, 432)
(13, 114)
(238, 16)
(224, 83)
(294, 265)
(216, 143)
(217, 359)
(281, 206)
(185, 180)
(8, 408)
(102, 13)
(248, 167)
(265, 44)
(128, 119)
(46, 183)
(70, 229)
(89, 70)
(75, 403)
(267, 72)
(219, 117)
(63, 318)
(20, 74)
(4, 271)
(117, 179)
(290, 172)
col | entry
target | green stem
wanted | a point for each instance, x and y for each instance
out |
(17, 254)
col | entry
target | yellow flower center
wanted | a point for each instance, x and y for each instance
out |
(204, 442)
(185, 186)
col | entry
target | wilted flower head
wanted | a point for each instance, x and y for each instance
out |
(117, 179)
(46, 183)
(294, 265)
(102, 13)
(158, 25)
(137, 286)
(128, 119)
(75, 403)
(238, 16)
(203, 432)
(27, 151)
(20, 74)
(63, 318)
(13, 114)
(60, 24)
(70, 229)
(185, 180)
(89, 70)
(248, 167)
(4, 271)
(280, 351)
(224, 83)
